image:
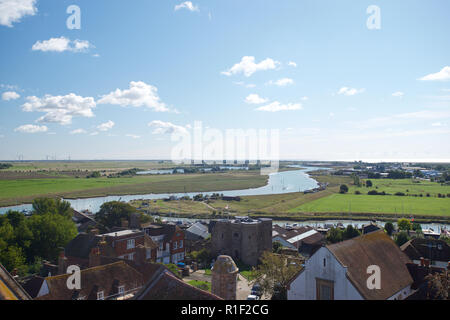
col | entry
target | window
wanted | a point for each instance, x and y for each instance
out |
(121, 290)
(324, 289)
(149, 253)
(100, 295)
(175, 245)
(161, 246)
(131, 256)
(324, 262)
(130, 244)
(181, 244)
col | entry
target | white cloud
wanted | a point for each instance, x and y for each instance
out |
(106, 126)
(10, 95)
(31, 128)
(96, 55)
(304, 98)
(186, 5)
(161, 127)
(139, 94)
(61, 44)
(277, 106)
(12, 11)
(255, 99)
(437, 124)
(292, 64)
(134, 136)
(247, 66)
(350, 91)
(398, 94)
(60, 109)
(78, 131)
(442, 75)
(93, 133)
(282, 82)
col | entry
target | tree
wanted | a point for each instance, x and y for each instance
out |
(274, 273)
(369, 184)
(404, 224)
(356, 180)
(335, 235)
(49, 205)
(277, 247)
(343, 188)
(50, 232)
(438, 286)
(112, 213)
(350, 232)
(416, 226)
(401, 238)
(389, 227)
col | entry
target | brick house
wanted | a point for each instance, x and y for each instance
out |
(87, 249)
(170, 240)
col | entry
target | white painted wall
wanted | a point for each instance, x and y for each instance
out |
(304, 287)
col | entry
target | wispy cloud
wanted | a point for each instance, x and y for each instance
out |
(247, 66)
(350, 91)
(134, 136)
(31, 128)
(277, 106)
(78, 131)
(281, 82)
(161, 127)
(398, 94)
(255, 99)
(106, 126)
(62, 44)
(292, 64)
(188, 5)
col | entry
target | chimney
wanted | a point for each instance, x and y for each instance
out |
(94, 257)
(141, 254)
(422, 262)
(62, 262)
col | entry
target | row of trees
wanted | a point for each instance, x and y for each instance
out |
(27, 240)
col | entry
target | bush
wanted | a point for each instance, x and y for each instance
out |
(357, 192)
(343, 188)
(401, 194)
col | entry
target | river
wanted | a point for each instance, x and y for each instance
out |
(279, 182)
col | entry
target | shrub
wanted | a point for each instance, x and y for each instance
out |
(401, 194)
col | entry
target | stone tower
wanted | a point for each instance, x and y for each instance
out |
(224, 278)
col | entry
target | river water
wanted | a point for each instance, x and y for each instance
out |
(279, 182)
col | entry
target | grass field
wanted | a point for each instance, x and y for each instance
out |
(204, 285)
(387, 204)
(25, 190)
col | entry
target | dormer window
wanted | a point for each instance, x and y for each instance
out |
(100, 295)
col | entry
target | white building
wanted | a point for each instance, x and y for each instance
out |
(339, 271)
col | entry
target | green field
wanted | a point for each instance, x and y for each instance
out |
(25, 190)
(377, 204)
(411, 203)
(204, 285)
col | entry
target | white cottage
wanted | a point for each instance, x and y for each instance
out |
(339, 271)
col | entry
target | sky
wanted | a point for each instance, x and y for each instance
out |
(338, 80)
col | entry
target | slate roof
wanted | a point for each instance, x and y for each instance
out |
(198, 229)
(418, 247)
(106, 278)
(81, 245)
(375, 248)
(165, 286)
(32, 285)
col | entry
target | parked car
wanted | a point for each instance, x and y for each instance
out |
(256, 290)
(252, 297)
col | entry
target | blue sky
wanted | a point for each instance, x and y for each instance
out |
(137, 71)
